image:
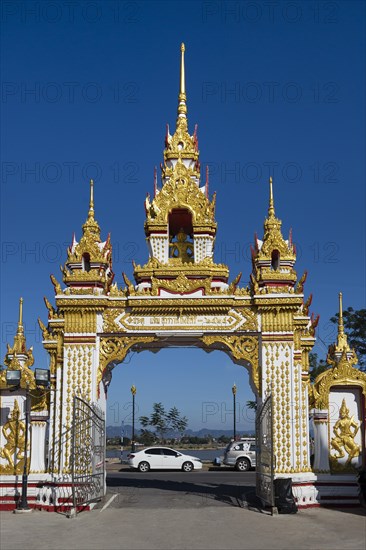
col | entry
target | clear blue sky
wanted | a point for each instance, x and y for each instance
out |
(280, 86)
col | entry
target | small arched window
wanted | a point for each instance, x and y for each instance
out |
(275, 260)
(86, 262)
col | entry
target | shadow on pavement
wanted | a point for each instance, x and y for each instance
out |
(354, 510)
(233, 495)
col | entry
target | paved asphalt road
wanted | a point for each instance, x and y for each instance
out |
(170, 489)
(184, 511)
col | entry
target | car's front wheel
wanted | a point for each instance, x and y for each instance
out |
(143, 467)
(242, 465)
(187, 467)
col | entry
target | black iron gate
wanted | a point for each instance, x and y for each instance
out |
(265, 457)
(87, 454)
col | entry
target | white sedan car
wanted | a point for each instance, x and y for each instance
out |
(161, 458)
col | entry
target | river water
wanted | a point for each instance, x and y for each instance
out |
(203, 454)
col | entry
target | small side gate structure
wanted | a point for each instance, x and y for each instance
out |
(265, 459)
(88, 454)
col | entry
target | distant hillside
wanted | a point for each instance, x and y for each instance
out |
(115, 431)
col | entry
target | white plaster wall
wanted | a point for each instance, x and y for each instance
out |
(38, 434)
(203, 247)
(160, 247)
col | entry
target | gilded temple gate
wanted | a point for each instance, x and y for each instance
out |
(179, 297)
(182, 297)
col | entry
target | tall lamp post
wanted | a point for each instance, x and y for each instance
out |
(133, 391)
(23, 502)
(233, 389)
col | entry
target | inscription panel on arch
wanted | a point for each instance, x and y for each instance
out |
(233, 320)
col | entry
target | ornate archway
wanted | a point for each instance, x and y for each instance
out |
(182, 297)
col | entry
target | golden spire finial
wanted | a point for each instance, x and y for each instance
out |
(342, 342)
(20, 322)
(91, 202)
(19, 338)
(182, 73)
(18, 356)
(340, 318)
(271, 210)
(182, 106)
(91, 225)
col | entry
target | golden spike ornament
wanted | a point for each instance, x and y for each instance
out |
(19, 346)
(181, 145)
(342, 342)
(20, 322)
(91, 226)
(271, 210)
(19, 357)
(91, 202)
(19, 338)
(182, 106)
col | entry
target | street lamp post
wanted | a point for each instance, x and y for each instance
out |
(23, 502)
(233, 389)
(133, 391)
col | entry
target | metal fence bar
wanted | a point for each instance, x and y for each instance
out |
(265, 455)
(88, 454)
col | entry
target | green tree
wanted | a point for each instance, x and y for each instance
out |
(224, 439)
(317, 366)
(146, 437)
(252, 404)
(163, 421)
(175, 421)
